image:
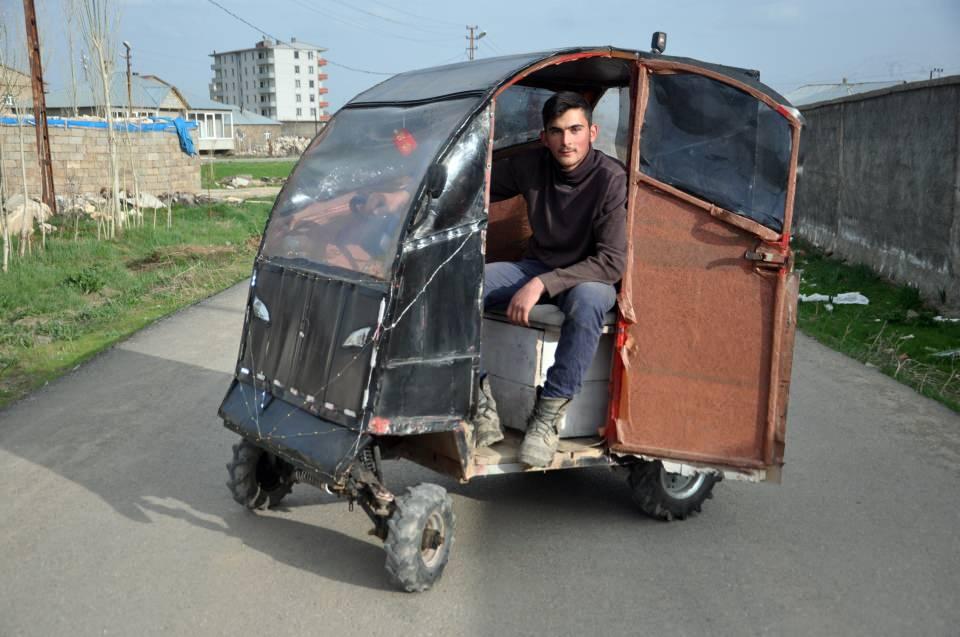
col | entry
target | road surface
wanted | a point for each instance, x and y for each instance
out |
(116, 521)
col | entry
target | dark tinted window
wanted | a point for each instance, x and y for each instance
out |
(519, 116)
(718, 143)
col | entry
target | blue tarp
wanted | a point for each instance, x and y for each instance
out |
(183, 132)
(159, 125)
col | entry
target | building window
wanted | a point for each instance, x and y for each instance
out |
(310, 70)
(296, 55)
(296, 83)
(296, 69)
(313, 112)
(260, 55)
(298, 97)
(313, 98)
(309, 55)
(311, 83)
(299, 112)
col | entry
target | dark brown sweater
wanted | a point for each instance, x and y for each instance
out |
(578, 218)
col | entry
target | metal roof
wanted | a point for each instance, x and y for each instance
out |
(483, 76)
(249, 118)
(148, 92)
(812, 93)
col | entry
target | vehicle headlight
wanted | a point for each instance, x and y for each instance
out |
(260, 310)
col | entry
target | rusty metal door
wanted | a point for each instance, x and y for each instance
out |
(709, 299)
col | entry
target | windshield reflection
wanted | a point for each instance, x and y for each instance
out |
(348, 199)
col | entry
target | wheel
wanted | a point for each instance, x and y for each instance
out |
(419, 537)
(258, 479)
(667, 496)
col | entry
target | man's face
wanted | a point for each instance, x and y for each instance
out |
(569, 138)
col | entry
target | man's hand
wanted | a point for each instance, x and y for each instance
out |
(523, 301)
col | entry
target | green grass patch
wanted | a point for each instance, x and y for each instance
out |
(77, 297)
(211, 173)
(896, 332)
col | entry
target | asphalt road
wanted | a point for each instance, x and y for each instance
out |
(116, 521)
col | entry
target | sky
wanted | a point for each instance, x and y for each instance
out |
(791, 43)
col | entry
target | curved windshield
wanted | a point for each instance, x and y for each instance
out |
(346, 203)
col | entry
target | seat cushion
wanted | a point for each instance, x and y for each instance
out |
(547, 316)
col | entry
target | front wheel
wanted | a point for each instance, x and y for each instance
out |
(258, 479)
(667, 496)
(419, 537)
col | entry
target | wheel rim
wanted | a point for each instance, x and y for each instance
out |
(431, 543)
(680, 486)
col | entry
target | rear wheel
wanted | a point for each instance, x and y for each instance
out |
(258, 479)
(419, 538)
(668, 496)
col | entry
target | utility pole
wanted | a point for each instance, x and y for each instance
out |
(126, 45)
(472, 40)
(39, 108)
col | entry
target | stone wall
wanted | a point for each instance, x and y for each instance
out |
(81, 163)
(881, 183)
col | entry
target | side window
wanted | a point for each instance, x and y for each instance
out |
(518, 117)
(612, 115)
(718, 143)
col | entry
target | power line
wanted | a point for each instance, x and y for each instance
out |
(279, 41)
(386, 19)
(492, 45)
(414, 15)
(361, 27)
(356, 70)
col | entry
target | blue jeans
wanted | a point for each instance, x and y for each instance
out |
(583, 306)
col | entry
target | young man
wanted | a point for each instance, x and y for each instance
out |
(576, 203)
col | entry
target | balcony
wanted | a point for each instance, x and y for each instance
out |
(322, 76)
(323, 90)
(321, 62)
(323, 104)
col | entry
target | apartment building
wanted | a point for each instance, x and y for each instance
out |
(282, 81)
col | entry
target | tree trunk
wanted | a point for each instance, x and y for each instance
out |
(4, 227)
(26, 225)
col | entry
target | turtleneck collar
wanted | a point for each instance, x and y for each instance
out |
(578, 174)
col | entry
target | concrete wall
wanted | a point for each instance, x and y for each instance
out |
(250, 138)
(881, 183)
(81, 162)
(301, 129)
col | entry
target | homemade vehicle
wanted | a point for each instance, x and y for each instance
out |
(365, 332)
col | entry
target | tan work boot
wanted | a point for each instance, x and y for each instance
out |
(542, 438)
(486, 424)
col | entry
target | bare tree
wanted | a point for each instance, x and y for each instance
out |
(6, 92)
(70, 7)
(98, 21)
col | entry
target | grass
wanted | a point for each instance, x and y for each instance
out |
(66, 303)
(211, 173)
(896, 332)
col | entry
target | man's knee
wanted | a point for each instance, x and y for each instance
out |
(589, 301)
